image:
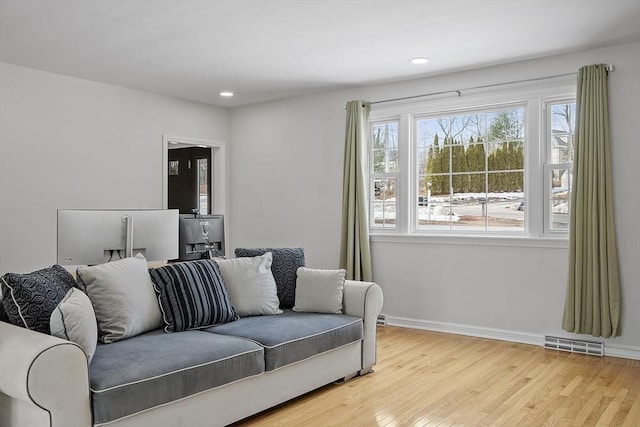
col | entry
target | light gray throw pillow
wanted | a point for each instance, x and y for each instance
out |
(319, 291)
(122, 296)
(74, 320)
(250, 285)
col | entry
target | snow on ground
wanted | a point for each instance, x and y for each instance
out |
(562, 208)
(470, 197)
(439, 210)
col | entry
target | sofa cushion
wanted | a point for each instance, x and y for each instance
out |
(192, 295)
(122, 296)
(250, 284)
(74, 320)
(29, 299)
(319, 291)
(155, 368)
(291, 336)
(285, 263)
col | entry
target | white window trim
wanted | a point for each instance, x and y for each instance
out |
(535, 96)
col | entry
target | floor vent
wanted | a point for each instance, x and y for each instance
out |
(382, 320)
(593, 348)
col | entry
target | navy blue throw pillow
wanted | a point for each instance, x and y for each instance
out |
(3, 314)
(284, 267)
(29, 299)
(192, 295)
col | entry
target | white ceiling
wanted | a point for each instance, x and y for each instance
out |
(270, 49)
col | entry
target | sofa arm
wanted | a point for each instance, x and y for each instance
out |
(43, 380)
(364, 299)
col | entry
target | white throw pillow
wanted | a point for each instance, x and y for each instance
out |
(74, 320)
(123, 298)
(250, 285)
(319, 291)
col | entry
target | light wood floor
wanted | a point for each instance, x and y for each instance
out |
(432, 379)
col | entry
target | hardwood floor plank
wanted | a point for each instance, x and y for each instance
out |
(632, 419)
(433, 379)
(569, 388)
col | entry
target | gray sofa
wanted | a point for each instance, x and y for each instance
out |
(207, 377)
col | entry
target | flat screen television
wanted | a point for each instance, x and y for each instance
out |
(201, 236)
(87, 237)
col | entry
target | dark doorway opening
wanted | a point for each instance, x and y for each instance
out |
(189, 183)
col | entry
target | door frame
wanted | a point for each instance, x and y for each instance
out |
(219, 190)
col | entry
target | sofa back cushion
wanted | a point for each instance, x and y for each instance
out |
(29, 299)
(251, 286)
(192, 295)
(286, 262)
(122, 296)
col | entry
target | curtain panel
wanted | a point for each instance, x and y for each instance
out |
(592, 304)
(355, 252)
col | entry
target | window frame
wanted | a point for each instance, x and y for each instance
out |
(534, 98)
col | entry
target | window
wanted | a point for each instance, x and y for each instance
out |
(384, 174)
(459, 167)
(470, 170)
(559, 167)
(203, 185)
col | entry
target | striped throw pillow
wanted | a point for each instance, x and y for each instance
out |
(192, 295)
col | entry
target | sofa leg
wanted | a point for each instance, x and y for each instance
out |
(360, 373)
(366, 371)
(347, 378)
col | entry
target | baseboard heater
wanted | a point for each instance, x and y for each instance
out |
(593, 348)
(382, 320)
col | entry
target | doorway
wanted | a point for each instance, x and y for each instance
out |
(217, 171)
(189, 180)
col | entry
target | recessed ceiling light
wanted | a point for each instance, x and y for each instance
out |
(226, 94)
(420, 60)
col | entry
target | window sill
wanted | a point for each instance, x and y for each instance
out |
(506, 241)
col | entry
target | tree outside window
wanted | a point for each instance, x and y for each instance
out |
(471, 171)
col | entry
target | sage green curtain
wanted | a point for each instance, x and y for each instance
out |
(592, 305)
(355, 252)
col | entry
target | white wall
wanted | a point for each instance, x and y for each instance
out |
(72, 143)
(286, 185)
(285, 166)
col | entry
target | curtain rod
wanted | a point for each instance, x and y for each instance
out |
(459, 91)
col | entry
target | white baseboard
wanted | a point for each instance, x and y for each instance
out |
(627, 352)
(624, 351)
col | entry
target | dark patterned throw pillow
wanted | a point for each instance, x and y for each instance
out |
(192, 295)
(29, 299)
(3, 315)
(284, 266)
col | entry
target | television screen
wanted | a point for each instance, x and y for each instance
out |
(87, 237)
